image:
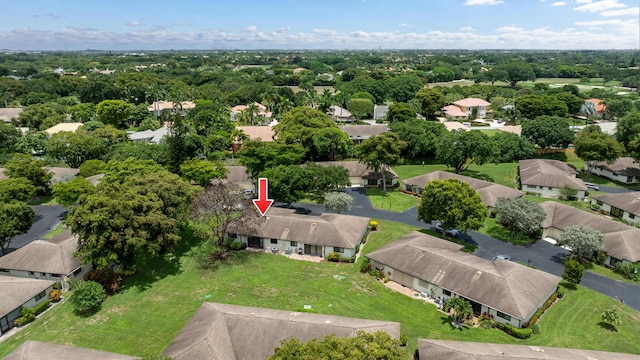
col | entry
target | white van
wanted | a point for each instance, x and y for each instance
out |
(592, 186)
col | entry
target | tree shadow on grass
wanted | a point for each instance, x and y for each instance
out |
(88, 313)
(568, 286)
(469, 245)
(607, 326)
(477, 175)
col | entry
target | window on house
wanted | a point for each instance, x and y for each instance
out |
(274, 241)
(31, 273)
(40, 296)
(631, 216)
(599, 202)
(446, 292)
(550, 188)
(338, 249)
(78, 271)
(56, 276)
(504, 316)
(294, 244)
(4, 270)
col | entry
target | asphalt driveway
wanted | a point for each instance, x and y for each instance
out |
(47, 217)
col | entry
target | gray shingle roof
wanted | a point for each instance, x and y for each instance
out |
(550, 173)
(503, 285)
(623, 166)
(463, 350)
(620, 240)
(36, 350)
(629, 202)
(236, 174)
(380, 111)
(230, 332)
(54, 256)
(324, 230)
(489, 192)
(357, 169)
(361, 132)
(15, 291)
(7, 114)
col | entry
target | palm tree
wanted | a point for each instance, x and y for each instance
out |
(462, 310)
(253, 110)
(326, 101)
(310, 98)
(270, 98)
(243, 116)
(284, 105)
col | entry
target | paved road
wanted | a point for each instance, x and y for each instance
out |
(542, 255)
(47, 217)
(614, 190)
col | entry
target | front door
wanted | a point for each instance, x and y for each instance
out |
(255, 242)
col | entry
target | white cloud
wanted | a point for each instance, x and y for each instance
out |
(629, 26)
(632, 11)
(583, 1)
(403, 25)
(599, 6)
(467, 29)
(251, 29)
(559, 3)
(505, 29)
(483, 2)
(133, 23)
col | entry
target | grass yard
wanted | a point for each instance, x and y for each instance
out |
(607, 272)
(393, 199)
(157, 302)
(59, 229)
(493, 229)
(504, 173)
(582, 205)
(488, 132)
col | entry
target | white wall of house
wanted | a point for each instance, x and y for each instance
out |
(282, 245)
(627, 216)
(78, 274)
(550, 192)
(614, 176)
(34, 301)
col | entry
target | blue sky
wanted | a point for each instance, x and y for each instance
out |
(320, 24)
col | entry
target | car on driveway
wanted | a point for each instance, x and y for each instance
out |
(592, 186)
(450, 232)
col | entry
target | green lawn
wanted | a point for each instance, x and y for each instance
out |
(488, 132)
(492, 228)
(577, 204)
(393, 199)
(504, 174)
(156, 303)
(607, 272)
(59, 229)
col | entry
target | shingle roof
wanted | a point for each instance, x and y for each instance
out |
(515, 129)
(623, 166)
(236, 174)
(359, 132)
(380, 111)
(629, 202)
(230, 332)
(36, 350)
(503, 285)
(264, 133)
(262, 110)
(167, 105)
(95, 179)
(72, 127)
(467, 102)
(452, 110)
(7, 114)
(327, 229)
(489, 192)
(357, 169)
(340, 112)
(59, 173)
(463, 350)
(454, 125)
(54, 256)
(550, 173)
(620, 240)
(15, 291)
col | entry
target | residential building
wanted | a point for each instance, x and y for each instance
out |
(238, 175)
(624, 206)
(454, 112)
(601, 108)
(284, 230)
(380, 112)
(549, 177)
(514, 129)
(361, 175)
(161, 107)
(358, 133)
(298, 70)
(455, 125)
(262, 133)
(231, 332)
(625, 170)
(70, 127)
(620, 241)
(59, 174)
(489, 192)
(430, 349)
(150, 136)
(338, 113)
(506, 290)
(17, 293)
(36, 350)
(261, 116)
(471, 105)
(46, 259)
(9, 114)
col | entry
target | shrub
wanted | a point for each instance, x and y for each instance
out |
(57, 285)
(108, 278)
(373, 225)
(601, 258)
(595, 207)
(54, 296)
(561, 291)
(626, 270)
(403, 340)
(365, 266)
(87, 296)
(514, 331)
(40, 308)
(333, 257)
(235, 246)
(535, 329)
(486, 323)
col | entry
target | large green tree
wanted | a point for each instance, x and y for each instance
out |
(431, 101)
(299, 125)
(515, 72)
(628, 128)
(402, 88)
(422, 137)
(15, 218)
(287, 184)
(25, 166)
(520, 215)
(9, 136)
(460, 149)
(512, 147)
(400, 112)
(338, 201)
(258, 155)
(74, 148)
(202, 171)
(583, 240)
(113, 112)
(454, 203)
(18, 189)
(592, 145)
(548, 131)
(381, 152)
(70, 192)
(532, 106)
(332, 143)
(360, 108)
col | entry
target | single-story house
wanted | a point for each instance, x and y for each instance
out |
(549, 177)
(601, 108)
(625, 206)
(468, 104)
(607, 127)
(70, 127)
(262, 114)
(46, 259)
(620, 241)
(454, 112)
(357, 133)
(283, 229)
(36, 350)
(430, 349)
(17, 293)
(231, 332)
(150, 136)
(298, 70)
(160, 107)
(340, 114)
(508, 291)
(9, 114)
(454, 125)
(361, 175)
(514, 129)
(380, 111)
(263, 133)
(238, 175)
(489, 192)
(625, 170)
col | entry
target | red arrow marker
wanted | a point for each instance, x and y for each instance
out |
(262, 203)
